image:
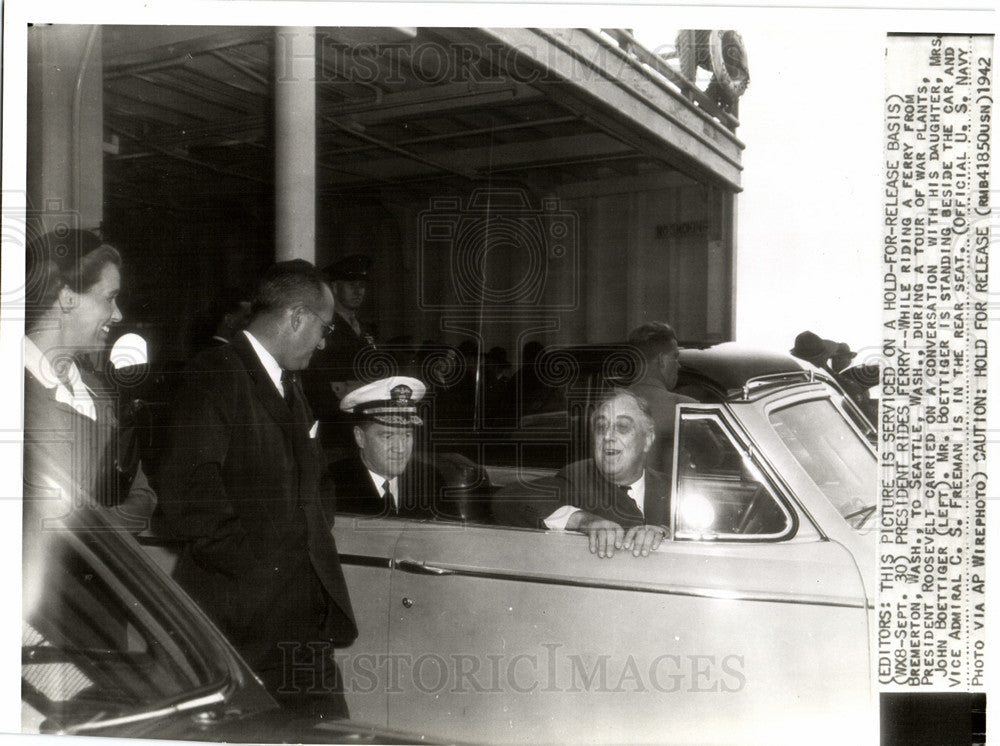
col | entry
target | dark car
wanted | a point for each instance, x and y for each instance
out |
(750, 623)
(111, 646)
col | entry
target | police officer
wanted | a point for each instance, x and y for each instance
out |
(336, 369)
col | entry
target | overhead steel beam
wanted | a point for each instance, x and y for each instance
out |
(456, 170)
(185, 158)
(440, 99)
(169, 99)
(531, 124)
(476, 162)
(192, 71)
(587, 74)
(179, 53)
(240, 67)
(212, 99)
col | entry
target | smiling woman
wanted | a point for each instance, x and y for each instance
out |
(70, 428)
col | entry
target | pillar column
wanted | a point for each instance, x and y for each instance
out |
(295, 142)
(65, 159)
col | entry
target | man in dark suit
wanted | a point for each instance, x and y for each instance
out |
(612, 497)
(656, 342)
(382, 477)
(241, 484)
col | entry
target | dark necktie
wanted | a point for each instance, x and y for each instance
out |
(293, 397)
(629, 503)
(387, 495)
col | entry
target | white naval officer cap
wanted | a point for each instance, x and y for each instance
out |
(390, 401)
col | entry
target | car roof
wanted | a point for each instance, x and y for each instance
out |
(729, 365)
(725, 367)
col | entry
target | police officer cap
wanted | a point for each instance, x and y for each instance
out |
(390, 401)
(353, 267)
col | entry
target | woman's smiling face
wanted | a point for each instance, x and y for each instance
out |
(92, 312)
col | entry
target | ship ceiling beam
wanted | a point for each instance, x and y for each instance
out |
(179, 53)
(586, 73)
(456, 170)
(459, 134)
(478, 162)
(427, 102)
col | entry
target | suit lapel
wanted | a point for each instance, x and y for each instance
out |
(657, 499)
(356, 492)
(274, 403)
(365, 488)
(264, 387)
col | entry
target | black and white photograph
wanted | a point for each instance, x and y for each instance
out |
(497, 374)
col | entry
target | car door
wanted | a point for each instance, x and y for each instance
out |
(507, 635)
(366, 545)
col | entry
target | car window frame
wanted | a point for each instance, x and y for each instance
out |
(748, 449)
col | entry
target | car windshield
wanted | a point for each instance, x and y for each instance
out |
(832, 454)
(97, 645)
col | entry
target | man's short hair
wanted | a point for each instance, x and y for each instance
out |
(641, 404)
(287, 284)
(653, 338)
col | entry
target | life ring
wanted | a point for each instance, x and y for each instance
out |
(729, 62)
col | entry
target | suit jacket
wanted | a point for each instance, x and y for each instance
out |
(240, 485)
(583, 486)
(88, 461)
(419, 495)
(58, 439)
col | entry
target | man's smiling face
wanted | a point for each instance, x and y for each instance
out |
(622, 436)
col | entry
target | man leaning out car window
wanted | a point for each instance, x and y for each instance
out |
(612, 497)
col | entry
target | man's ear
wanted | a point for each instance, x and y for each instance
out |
(662, 362)
(650, 437)
(359, 436)
(68, 300)
(295, 317)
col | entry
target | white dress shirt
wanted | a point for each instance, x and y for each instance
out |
(268, 361)
(378, 480)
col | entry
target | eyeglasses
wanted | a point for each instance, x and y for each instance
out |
(330, 328)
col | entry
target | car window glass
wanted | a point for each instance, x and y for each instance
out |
(720, 492)
(860, 421)
(92, 650)
(832, 454)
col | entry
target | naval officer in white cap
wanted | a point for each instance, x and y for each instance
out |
(382, 477)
